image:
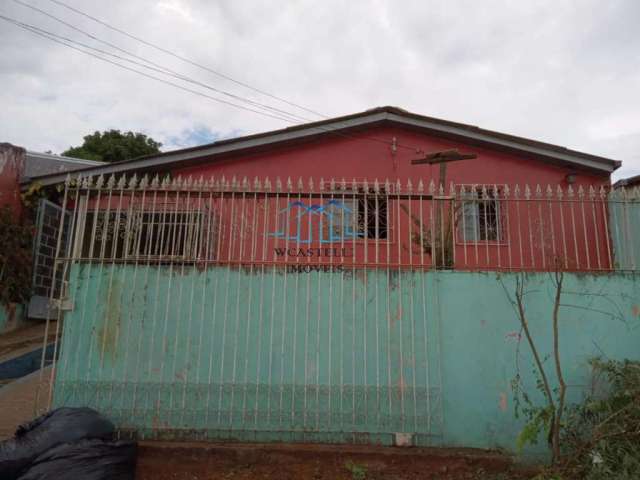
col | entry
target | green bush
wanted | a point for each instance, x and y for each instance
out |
(16, 243)
(602, 434)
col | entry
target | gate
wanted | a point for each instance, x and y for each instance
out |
(48, 225)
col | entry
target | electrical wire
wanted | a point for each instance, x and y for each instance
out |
(62, 38)
(61, 42)
(275, 113)
(184, 59)
(167, 70)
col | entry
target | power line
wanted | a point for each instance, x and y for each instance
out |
(53, 39)
(277, 113)
(39, 32)
(35, 29)
(184, 59)
(159, 68)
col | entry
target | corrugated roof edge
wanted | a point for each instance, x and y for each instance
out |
(375, 115)
(627, 182)
(51, 156)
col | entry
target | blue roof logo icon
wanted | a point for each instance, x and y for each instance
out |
(330, 222)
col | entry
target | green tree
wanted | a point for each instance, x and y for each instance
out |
(114, 146)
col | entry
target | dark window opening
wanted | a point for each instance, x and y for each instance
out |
(164, 235)
(364, 215)
(373, 215)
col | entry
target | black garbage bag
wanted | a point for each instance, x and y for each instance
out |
(85, 460)
(63, 425)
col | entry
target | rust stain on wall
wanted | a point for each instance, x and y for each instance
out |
(361, 275)
(395, 316)
(108, 332)
(503, 402)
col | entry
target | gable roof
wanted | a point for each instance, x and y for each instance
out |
(354, 123)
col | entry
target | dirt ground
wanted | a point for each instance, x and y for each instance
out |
(311, 462)
(14, 344)
(18, 399)
(18, 396)
(199, 461)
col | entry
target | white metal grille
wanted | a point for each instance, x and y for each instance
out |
(367, 224)
(201, 286)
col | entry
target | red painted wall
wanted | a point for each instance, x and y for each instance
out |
(11, 167)
(539, 234)
(350, 157)
(241, 226)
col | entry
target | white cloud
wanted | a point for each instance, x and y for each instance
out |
(558, 71)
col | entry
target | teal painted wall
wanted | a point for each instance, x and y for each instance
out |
(599, 316)
(4, 318)
(334, 357)
(11, 317)
(624, 228)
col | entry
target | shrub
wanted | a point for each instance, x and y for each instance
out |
(16, 243)
(602, 434)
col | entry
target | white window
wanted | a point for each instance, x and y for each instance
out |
(481, 215)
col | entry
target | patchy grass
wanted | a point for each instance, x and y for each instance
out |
(357, 471)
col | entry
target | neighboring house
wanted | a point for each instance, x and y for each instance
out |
(312, 284)
(625, 211)
(21, 166)
(38, 164)
(629, 182)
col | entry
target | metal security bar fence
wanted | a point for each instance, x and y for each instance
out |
(370, 224)
(293, 310)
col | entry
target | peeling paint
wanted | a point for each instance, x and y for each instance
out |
(503, 402)
(514, 335)
(323, 372)
(396, 316)
(361, 275)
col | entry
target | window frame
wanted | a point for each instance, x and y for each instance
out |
(133, 246)
(495, 193)
(350, 197)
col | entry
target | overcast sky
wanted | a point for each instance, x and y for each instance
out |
(565, 72)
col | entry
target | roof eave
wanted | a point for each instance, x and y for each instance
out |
(437, 127)
(591, 162)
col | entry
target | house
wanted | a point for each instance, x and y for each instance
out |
(20, 166)
(629, 182)
(514, 201)
(315, 284)
(378, 143)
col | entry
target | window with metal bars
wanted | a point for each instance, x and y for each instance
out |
(164, 235)
(481, 215)
(365, 213)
